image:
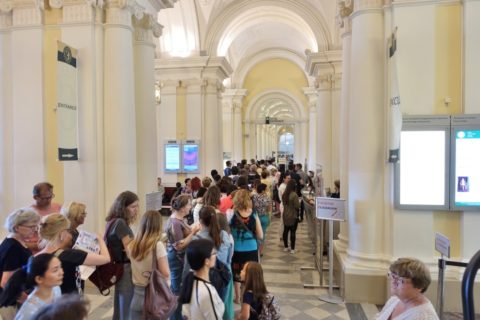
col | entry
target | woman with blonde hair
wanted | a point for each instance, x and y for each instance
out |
(246, 229)
(56, 239)
(75, 212)
(140, 251)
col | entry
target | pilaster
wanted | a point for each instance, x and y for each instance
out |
(232, 142)
(6, 13)
(312, 97)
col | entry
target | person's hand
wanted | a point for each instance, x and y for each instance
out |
(196, 227)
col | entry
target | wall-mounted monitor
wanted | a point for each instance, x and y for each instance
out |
(172, 150)
(191, 156)
(421, 175)
(465, 179)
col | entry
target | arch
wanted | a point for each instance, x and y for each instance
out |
(242, 14)
(246, 64)
(254, 107)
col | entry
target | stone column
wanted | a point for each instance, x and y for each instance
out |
(344, 128)
(212, 141)
(227, 125)
(311, 94)
(82, 27)
(366, 151)
(119, 97)
(146, 30)
(166, 125)
(335, 120)
(237, 154)
(471, 25)
(6, 111)
(324, 126)
(233, 132)
(27, 83)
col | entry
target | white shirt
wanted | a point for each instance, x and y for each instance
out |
(424, 311)
(142, 269)
(205, 303)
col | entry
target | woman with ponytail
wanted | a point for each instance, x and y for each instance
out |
(44, 274)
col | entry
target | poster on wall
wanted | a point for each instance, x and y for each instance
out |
(191, 156)
(467, 170)
(67, 102)
(172, 156)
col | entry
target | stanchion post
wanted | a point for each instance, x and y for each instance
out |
(441, 286)
(331, 298)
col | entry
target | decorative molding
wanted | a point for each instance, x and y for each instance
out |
(56, 4)
(162, 4)
(311, 94)
(344, 10)
(27, 14)
(146, 24)
(5, 20)
(327, 62)
(118, 16)
(6, 6)
(360, 5)
(77, 12)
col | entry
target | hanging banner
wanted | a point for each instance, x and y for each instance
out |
(67, 101)
(395, 112)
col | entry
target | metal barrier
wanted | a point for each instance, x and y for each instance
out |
(467, 287)
(442, 263)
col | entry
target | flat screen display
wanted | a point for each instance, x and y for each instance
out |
(191, 159)
(467, 168)
(172, 157)
(423, 168)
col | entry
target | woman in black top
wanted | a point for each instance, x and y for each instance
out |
(55, 235)
(21, 224)
(121, 216)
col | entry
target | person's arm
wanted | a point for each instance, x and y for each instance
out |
(162, 265)
(182, 244)
(98, 259)
(258, 228)
(5, 276)
(244, 312)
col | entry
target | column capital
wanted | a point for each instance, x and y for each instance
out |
(344, 10)
(27, 13)
(81, 11)
(311, 94)
(366, 5)
(149, 23)
(120, 11)
(325, 62)
(162, 4)
(6, 6)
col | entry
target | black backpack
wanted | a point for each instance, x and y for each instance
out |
(220, 276)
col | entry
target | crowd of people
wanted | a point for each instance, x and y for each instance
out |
(209, 250)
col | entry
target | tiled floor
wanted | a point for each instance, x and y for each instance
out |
(284, 279)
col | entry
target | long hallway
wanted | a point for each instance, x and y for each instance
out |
(284, 279)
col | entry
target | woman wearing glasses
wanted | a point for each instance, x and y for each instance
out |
(409, 279)
(21, 224)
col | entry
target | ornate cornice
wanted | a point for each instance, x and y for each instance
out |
(120, 11)
(80, 11)
(149, 23)
(6, 6)
(327, 62)
(27, 13)
(361, 5)
(344, 10)
(162, 4)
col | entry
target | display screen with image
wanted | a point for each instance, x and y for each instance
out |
(172, 157)
(467, 168)
(191, 159)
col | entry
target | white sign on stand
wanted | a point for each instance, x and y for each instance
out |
(154, 201)
(330, 208)
(442, 244)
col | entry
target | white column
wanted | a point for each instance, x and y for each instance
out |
(212, 141)
(470, 221)
(344, 128)
(120, 128)
(27, 102)
(80, 30)
(253, 141)
(311, 94)
(194, 111)
(166, 126)
(227, 119)
(366, 136)
(237, 154)
(144, 55)
(324, 127)
(304, 141)
(298, 141)
(6, 113)
(336, 95)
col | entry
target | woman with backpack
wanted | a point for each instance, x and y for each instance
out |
(200, 299)
(121, 216)
(246, 229)
(291, 206)
(140, 251)
(257, 302)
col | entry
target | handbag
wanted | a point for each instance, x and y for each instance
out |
(106, 276)
(160, 302)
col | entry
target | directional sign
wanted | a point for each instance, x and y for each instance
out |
(330, 208)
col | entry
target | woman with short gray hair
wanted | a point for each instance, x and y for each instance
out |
(409, 279)
(22, 225)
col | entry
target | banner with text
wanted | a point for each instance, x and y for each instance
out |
(67, 102)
